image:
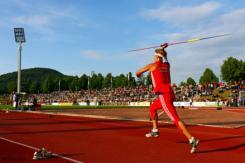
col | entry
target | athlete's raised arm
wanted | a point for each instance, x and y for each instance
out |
(144, 69)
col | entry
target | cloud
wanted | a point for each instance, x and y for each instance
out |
(233, 21)
(91, 54)
(34, 20)
(190, 60)
(235, 16)
(182, 15)
(42, 15)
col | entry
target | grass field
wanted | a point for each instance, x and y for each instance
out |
(6, 107)
(89, 107)
(46, 107)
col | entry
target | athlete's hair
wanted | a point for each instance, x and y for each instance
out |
(161, 51)
(161, 54)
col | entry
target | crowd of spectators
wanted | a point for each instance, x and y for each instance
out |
(106, 96)
(213, 92)
(125, 95)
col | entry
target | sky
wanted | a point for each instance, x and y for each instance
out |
(77, 37)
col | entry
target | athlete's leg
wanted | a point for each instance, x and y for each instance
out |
(184, 130)
(169, 109)
(156, 105)
(155, 122)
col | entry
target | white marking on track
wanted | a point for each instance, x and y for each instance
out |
(35, 148)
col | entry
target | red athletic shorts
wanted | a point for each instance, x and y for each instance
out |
(165, 102)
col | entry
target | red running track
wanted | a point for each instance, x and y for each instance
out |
(103, 141)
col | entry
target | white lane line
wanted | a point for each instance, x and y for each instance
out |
(21, 144)
(35, 148)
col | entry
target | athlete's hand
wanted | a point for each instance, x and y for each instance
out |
(165, 45)
(138, 74)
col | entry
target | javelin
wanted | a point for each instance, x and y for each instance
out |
(181, 42)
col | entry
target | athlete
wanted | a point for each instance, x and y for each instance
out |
(160, 76)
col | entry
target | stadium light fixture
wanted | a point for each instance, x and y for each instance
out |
(19, 38)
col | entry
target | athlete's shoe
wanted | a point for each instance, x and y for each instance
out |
(152, 134)
(194, 142)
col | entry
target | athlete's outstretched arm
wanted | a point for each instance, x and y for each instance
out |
(143, 69)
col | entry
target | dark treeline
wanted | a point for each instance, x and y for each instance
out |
(44, 80)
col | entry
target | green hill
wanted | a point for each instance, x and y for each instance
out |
(32, 76)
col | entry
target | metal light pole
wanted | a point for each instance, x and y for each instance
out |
(88, 83)
(59, 85)
(19, 70)
(19, 38)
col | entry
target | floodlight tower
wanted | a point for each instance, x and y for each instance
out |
(19, 38)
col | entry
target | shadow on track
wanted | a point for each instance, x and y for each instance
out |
(17, 119)
(225, 123)
(69, 155)
(41, 123)
(234, 147)
(77, 130)
(217, 139)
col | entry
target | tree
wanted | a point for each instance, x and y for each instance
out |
(190, 81)
(182, 83)
(48, 85)
(132, 81)
(96, 81)
(2, 89)
(242, 71)
(83, 82)
(143, 80)
(148, 79)
(67, 82)
(233, 70)
(74, 85)
(121, 81)
(208, 77)
(108, 81)
(63, 84)
(33, 87)
(11, 86)
(28, 76)
(99, 81)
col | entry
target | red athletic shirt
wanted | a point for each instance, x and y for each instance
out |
(161, 77)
